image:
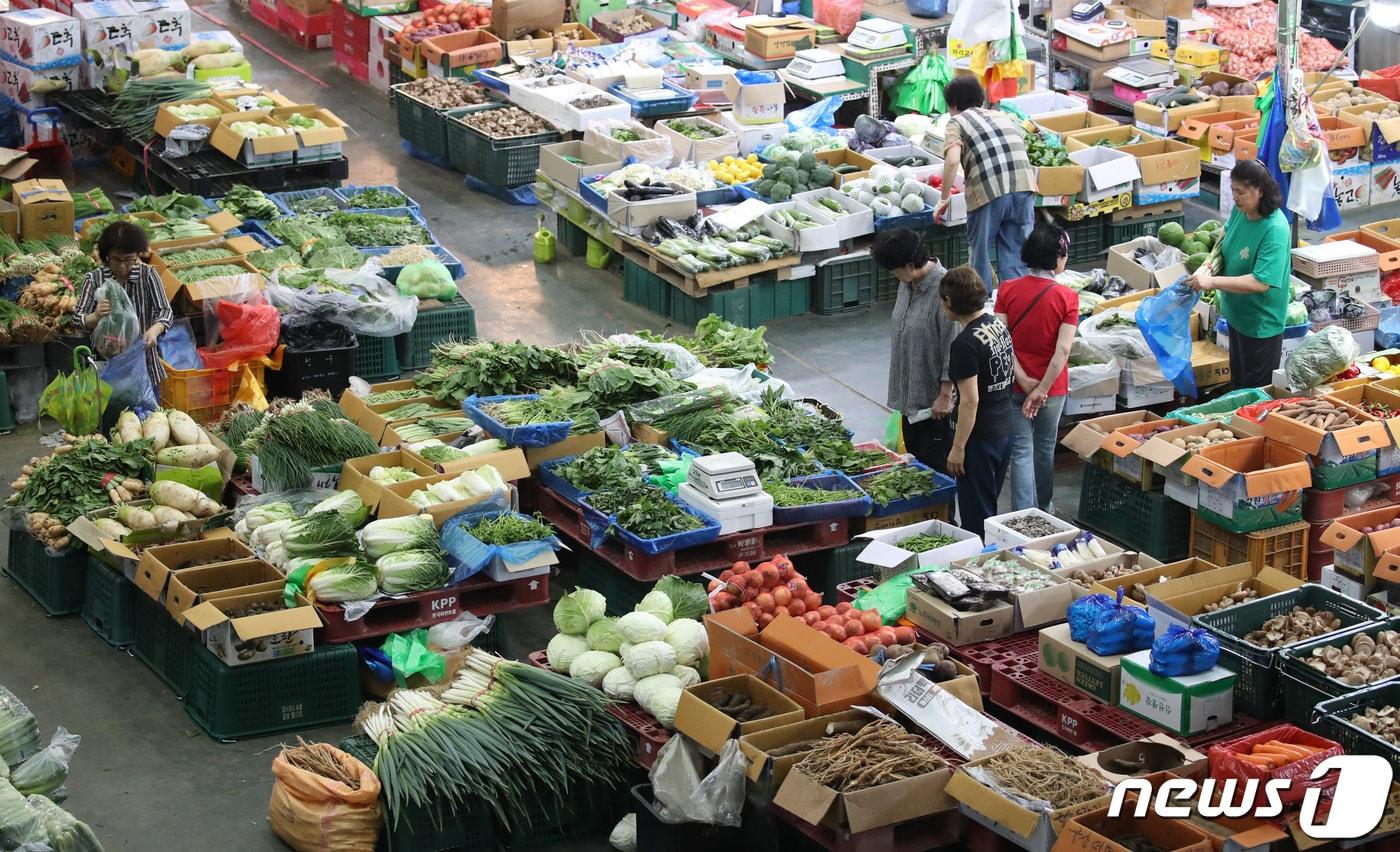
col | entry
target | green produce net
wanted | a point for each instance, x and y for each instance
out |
(888, 598)
(77, 399)
(1220, 408)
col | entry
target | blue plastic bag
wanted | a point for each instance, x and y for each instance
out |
(1083, 612)
(131, 381)
(1183, 651)
(819, 116)
(1116, 628)
(1165, 323)
(177, 347)
(1388, 334)
(927, 8)
(469, 555)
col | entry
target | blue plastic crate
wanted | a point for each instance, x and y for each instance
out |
(558, 484)
(830, 480)
(682, 100)
(491, 80)
(913, 221)
(350, 189)
(254, 229)
(715, 197)
(594, 198)
(454, 266)
(284, 199)
(652, 546)
(415, 215)
(945, 489)
(531, 435)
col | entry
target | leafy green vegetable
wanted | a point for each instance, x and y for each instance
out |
(173, 205)
(786, 495)
(376, 199)
(688, 599)
(314, 204)
(923, 541)
(375, 229)
(510, 528)
(600, 467)
(898, 483)
(643, 510)
(248, 203)
(489, 368)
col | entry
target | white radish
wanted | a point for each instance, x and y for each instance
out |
(135, 517)
(169, 519)
(183, 429)
(193, 455)
(156, 429)
(128, 427)
(180, 496)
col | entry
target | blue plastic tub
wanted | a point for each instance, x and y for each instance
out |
(284, 199)
(558, 484)
(680, 101)
(653, 546)
(254, 229)
(532, 435)
(592, 196)
(944, 491)
(714, 197)
(488, 78)
(830, 480)
(350, 189)
(913, 221)
(447, 258)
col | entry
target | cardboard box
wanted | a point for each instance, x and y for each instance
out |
(1162, 8)
(512, 19)
(1121, 263)
(1159, 753)
(45, 208)
(1382, 135)
(1059, 125)
(189, 587)
(1116, 135)
(1210, 364)
(704, 78)
(1170, 170)
(1187, 704)
(955, 626)
(888, 558)
(571, 34)
(605, 25)
(768, 771)
(1037, 105)
(1106, 172)
(167, 120)
(1387, 458)
(1032, 830)
(1097, 832)
(394, 503)
(1214, 133)
(760, 103)
(1344, 139)
(778, 38)
(1123, 445)
(574, 445)
(1255, 483)
(1383, 185)
(156, 564)
(238, 640)
(1073, 663)
(1089, 437)
(1178, 600)
(1151, 573)
(864, 810)
(1334, 448)
(822, 677)
(710, 727)
(754, 137)
(106, 25)
(1034, 607)
(700, 151)
(163, 23)
(1164, 122)
(1364, 555)
(458, 54)
(40, 38)
(1059, 181)
(316, 143)
(354, 474)
(631, 216)
(1194, 53)
(263, 151)
(1155, 28)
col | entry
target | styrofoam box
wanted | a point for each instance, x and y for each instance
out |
(1075, 405)
(858, 220)
(997, 534)
(896, 152)
(824, 236)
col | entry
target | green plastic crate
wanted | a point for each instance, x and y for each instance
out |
(573, 238)
(376, 358)
(419, 123)
(948, 243)
(290, 694)
(1257, 685)
(1121, 232)
(844, 284)
(827, 569)
(1086, 239)
(434, 325)
(886, 285)
(57, 583)
(547, 821)
(397, 75)
(641, 286)
(1146, 521)
(498, 162)
(763, 300)
(440, 827)
(145, 629)
(107, 604)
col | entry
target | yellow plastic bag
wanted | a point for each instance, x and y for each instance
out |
(312, 813)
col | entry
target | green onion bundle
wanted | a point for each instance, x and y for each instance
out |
(296, 437)
(392, 395)
(136, 104)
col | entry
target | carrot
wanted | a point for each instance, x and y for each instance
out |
(1258, 760)
(1280, 749)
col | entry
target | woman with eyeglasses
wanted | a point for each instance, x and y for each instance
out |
(1042, 317)
(122, 249)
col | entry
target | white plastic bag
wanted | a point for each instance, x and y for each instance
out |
(1087, 375)
(45, 773)
(683, 796)
(459, 632)
(372, 305)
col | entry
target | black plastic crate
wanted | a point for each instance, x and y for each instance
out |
(1086, 239)
(1304, 687)
(544, 821)
(107, 605)
(844, 284)
(1332, 719)
(271, 696)
(313, 369)
(1147, 226)
(948, 243)
(1146, 521)
(57, 583)
(456, 318)
(498, 162)
(827, 569)
(654, 833)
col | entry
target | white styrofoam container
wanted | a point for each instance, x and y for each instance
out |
(821, 238)
(858, 220)
(997, 534)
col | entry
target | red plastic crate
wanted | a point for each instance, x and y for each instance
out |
(311, 32)
(349, 32)
(916, 835)
(355, 66)
(651, 735)
(1023, 691)
(479, 595)
(980, 657)
(714, 556)
(265, 15)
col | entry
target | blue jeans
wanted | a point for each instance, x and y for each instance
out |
(984, 463)
(1033, 453)
(1003, 223)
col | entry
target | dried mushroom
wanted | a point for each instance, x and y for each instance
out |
(1298, 624)
(1365, 659)
(1238, 596)
(1087, 577)
(1382, 722)
(505, 123)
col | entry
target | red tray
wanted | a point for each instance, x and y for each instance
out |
(479, 595)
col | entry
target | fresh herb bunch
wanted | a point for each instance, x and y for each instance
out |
(376, 199)
(553, 405)
(248, 203)
(648, 455)
(643, 510)
(600, 467)
(720, 343)
(786, 495)
(792, 422)
(898, 483)
(487, 368)
(749, 437)
(376, 229)
(392, 395)
(839, 454)
(697, 423)
(173, 205)
(73, 483)
(315, 204)
(923, 541)
(296, 436)
(614, 385)
(682, 402)
(510, 528)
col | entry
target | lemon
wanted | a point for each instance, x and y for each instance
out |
(752, 158)
(1382, 363)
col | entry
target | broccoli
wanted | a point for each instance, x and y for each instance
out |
(770, 171)
(804, 177)
(822, 175)
(788, 175)
(765, 187)
(807, 161)
(780, 192)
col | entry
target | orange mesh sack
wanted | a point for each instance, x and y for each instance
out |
(312, 813)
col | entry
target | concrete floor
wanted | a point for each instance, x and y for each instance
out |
(145, 776)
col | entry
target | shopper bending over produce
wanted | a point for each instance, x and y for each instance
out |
(1042, 317)
(919, 387)
(123, 248)
(1253, 276)
(989, 147)
(981, 364)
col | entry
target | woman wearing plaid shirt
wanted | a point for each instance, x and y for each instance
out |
(989, 147)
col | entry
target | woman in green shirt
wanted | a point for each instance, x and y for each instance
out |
(1253, 275)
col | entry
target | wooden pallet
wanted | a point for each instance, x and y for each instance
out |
(698, 285)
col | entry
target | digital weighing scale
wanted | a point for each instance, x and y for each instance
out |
(1142, 74)
(877, 34)
(816, 64)
(725, 487)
